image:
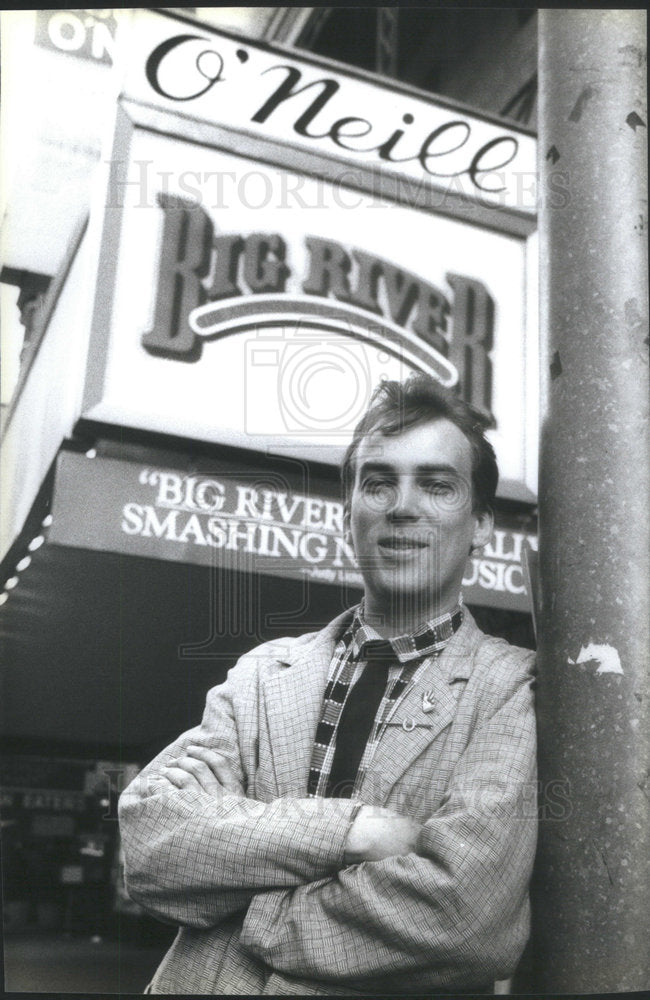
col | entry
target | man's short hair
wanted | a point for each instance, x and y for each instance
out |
(394, 406)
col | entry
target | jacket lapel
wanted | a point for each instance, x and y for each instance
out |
(292, 700)
(421, 715)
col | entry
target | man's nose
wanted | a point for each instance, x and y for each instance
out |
(406, 501)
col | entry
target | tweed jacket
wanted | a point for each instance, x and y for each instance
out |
(258, 883)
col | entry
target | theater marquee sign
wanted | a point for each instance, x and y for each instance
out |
(233, 519)
(212, 286)
(277, 237)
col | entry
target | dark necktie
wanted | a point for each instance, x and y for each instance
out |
(358, 716)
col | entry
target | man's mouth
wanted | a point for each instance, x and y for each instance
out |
(395, 543)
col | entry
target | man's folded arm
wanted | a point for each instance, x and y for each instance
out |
(195, 858)
(457, 910)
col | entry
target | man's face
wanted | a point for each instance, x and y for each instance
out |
(411, 519)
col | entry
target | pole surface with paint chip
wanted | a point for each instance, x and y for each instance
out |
(591, 891)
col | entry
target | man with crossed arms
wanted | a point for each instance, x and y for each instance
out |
(356, 812)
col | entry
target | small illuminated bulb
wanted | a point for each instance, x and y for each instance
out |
(11, 583)
(91, 453)
(47, 520)
(4, 598)
(36, 543)
(24, 563)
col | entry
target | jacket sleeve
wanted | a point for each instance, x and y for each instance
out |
(455, 913)
(193, 858)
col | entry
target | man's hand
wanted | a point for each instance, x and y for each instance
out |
(206, 769)
(378, 833)
(375, 834)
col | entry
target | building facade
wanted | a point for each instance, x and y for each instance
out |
(222, 228)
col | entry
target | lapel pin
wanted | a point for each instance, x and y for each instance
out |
(428, 701)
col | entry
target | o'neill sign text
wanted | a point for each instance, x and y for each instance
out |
(237, 84)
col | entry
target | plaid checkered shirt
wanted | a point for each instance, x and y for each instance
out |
(412, 653)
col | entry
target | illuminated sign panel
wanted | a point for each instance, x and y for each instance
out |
(238, 317)
(199, 269)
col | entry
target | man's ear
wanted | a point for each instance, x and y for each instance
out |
(483, 528)
(347, 531)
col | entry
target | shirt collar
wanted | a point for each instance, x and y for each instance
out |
(425, 640)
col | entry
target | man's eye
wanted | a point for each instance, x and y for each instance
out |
(376, 484)
(440, 487)
(379, 491)
(447, 493)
